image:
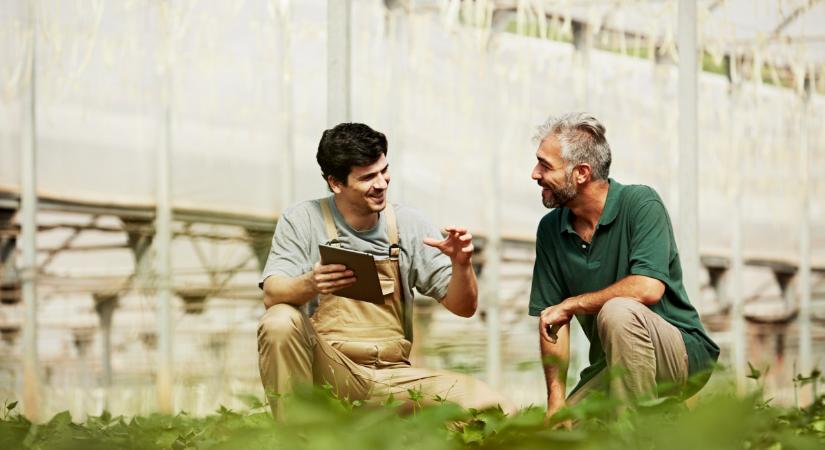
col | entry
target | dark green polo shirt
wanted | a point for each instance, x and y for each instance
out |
(634, 236)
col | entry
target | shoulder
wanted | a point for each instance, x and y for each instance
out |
(637, 195)
(302, 212)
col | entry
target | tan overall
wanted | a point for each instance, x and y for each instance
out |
(357, 347)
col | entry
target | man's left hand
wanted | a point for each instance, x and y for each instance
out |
(554, 315)
(458, 245)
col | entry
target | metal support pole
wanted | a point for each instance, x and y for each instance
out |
(28, 233)
(492, 264)
(105, 305)
(288, 160)
(163, 234)
(688, 150)
(339, 36)
(738, 327)
(804, 285)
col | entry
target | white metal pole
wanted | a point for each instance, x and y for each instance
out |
(492, 264)
(737, 325)
(288, 162)
(804, 318)
(688, 154)
(339, 14)
(28, 232)
(163, 232)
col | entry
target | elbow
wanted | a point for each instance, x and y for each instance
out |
(270, 298)
(653, 292)
(269, 301)
(469, 311)
(466, 308)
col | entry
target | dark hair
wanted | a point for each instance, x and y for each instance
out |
(347, 145)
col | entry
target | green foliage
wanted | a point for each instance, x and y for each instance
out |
(317, 419)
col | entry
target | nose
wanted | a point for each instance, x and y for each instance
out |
(382, 181)
(535, 174)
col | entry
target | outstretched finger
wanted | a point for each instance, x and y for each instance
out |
(433, 242)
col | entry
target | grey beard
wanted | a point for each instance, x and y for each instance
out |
(561, 196)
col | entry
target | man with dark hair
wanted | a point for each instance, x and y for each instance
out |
(309, 334)
(606, 255)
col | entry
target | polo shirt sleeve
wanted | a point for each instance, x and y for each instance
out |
(650, 241)
(289, 254)
(546, 289)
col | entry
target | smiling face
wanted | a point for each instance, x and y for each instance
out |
(558, 185)
(366, 189)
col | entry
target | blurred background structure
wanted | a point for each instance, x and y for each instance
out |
(147, 149)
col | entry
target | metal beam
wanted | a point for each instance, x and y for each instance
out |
(688, 150)
(47, 202)
(339, 14)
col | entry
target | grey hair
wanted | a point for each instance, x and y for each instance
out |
(582, 139)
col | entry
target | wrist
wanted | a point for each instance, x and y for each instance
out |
(569, 305)
(307, 284)
(461, 263)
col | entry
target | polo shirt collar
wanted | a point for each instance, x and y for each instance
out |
(611, 203)
(609, 213)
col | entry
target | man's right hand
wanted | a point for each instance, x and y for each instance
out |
(552, 408)
(327, 279)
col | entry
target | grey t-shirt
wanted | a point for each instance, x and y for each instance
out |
(301, 229)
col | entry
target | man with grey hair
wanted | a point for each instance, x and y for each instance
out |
(606, 255)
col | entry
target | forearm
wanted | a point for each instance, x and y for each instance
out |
(555, 359)
(462, 292)
(295, 291)
(644, 289)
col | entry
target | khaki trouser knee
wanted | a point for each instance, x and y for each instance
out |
(647, 352)
(291, 354)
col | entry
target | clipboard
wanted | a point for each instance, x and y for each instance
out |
(367, 287)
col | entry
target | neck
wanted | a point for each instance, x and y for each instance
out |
(358, 219)
(589, 203)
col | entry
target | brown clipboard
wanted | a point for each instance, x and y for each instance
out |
(367, 287)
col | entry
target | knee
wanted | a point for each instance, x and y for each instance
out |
(618, 314)
(280, 323)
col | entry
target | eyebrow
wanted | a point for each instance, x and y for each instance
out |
(367, 176)
(545, 161)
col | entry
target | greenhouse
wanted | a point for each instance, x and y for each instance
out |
(148, 149)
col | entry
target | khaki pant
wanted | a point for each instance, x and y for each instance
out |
(291, 353)
(648, 351)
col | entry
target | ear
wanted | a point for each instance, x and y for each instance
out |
(334, 185)
(584, 171)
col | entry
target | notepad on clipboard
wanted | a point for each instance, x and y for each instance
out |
(367, 287)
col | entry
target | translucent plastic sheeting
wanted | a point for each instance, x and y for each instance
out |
(246, 83)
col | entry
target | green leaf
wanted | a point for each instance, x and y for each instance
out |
(755, 374)
(11, 405)
(251, 401)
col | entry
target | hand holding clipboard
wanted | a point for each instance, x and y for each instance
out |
(365, 286)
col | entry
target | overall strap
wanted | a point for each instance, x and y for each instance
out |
(329, 222)
(392, 231)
